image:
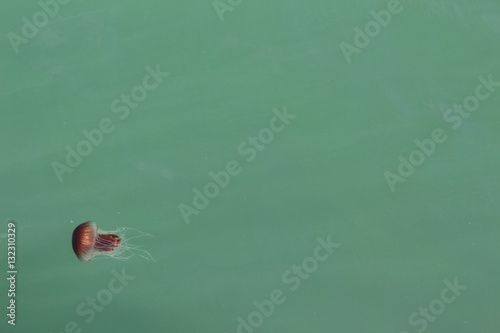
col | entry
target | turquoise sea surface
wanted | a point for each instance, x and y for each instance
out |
(290, 166)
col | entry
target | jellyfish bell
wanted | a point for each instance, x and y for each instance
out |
(89, 241)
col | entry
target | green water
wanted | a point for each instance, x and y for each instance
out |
(298, 173)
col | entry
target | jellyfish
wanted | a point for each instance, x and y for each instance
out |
(89, 241)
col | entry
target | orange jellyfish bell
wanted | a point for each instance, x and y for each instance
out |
(89, 240)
